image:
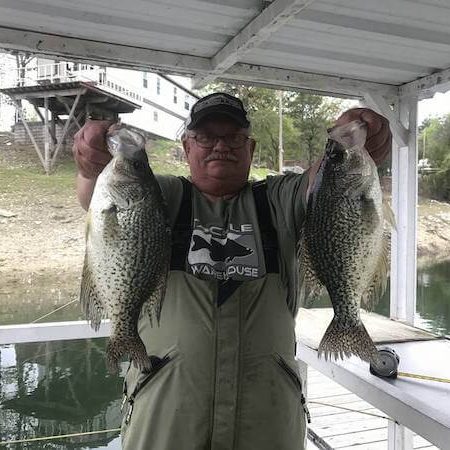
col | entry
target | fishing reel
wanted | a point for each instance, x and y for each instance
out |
(387, 364)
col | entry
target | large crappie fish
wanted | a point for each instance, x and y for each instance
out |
(127, 248)
(344, 246)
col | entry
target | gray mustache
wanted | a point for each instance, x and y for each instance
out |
(221, 156)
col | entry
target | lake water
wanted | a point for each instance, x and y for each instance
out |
(56, 388)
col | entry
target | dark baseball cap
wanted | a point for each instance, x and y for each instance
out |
(218, 104)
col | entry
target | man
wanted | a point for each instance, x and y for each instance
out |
(224, 373)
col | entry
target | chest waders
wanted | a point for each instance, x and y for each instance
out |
(224, 375)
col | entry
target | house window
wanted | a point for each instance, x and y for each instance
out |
(144, 80)
(155, 116)
(158, 85)
(175, 96)
(186, 102)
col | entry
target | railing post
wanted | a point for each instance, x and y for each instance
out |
(404, 202)
(404, 241)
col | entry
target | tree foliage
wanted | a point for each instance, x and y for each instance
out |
(434, 145)
(305, 119)
(434, 141)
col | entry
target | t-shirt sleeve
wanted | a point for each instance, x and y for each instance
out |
(287, 196)
(172, 189)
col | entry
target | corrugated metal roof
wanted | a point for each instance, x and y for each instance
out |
(390, 42)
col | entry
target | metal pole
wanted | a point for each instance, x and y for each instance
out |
(280, 132)
(424, 142)
(46, 138)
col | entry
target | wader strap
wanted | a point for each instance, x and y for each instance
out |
(268, 233)
(182, 231)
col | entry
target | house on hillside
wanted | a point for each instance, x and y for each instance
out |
(163, 102)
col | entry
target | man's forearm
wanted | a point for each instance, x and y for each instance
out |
(85, 188)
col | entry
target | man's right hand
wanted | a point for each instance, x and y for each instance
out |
(89, 148)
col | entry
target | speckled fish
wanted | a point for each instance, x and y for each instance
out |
(344, 245)
(127, 248)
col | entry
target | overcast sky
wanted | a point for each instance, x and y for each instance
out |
(437, 106)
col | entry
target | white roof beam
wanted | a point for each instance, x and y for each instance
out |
(379, 104)
(290, 79)
(256, 31)
(101, 53)
(427, 86)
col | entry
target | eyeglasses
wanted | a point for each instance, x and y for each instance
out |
(232, 140)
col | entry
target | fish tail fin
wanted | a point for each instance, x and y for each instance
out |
(118, 346)
(342, 341)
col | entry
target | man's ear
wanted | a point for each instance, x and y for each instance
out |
(186, 148)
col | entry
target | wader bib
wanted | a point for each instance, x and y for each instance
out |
(224, 375)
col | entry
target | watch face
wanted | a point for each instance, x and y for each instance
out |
(386, 365)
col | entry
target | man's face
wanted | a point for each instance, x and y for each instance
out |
(220, 164)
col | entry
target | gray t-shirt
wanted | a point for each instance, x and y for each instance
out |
(226, 241)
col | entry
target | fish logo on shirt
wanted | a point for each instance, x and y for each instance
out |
(221, 252)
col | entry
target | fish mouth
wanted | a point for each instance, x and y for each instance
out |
(126, 142)
(351, 134)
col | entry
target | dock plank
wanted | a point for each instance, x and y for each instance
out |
(358, 438)
(337, 428)
(312, 323)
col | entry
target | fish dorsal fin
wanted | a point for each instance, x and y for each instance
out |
(310, 287)
(377, 286)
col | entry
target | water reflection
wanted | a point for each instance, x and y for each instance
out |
(56, 388)
(433, 298)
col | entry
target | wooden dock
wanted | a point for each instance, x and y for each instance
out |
(341, 420)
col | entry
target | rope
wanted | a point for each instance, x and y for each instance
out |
(55, 310)
(60, 436)
(351, 410)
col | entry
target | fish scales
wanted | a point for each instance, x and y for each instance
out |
(343, 246)
(127, 248)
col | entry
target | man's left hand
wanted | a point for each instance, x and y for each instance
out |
(379, 136)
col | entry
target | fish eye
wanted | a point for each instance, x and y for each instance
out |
(137, 165)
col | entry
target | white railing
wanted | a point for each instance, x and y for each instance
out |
(51, 331)
(64, 72)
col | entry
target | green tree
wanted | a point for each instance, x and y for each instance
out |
(434, 140)
(312, 115)
(434, 145)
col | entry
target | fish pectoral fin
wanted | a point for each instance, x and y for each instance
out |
(120, 199)
(376, 288)
(389, 215)
(89, 299)
(358, 186)
(310, 287)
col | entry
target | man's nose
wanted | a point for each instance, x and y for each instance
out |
(220, 144)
